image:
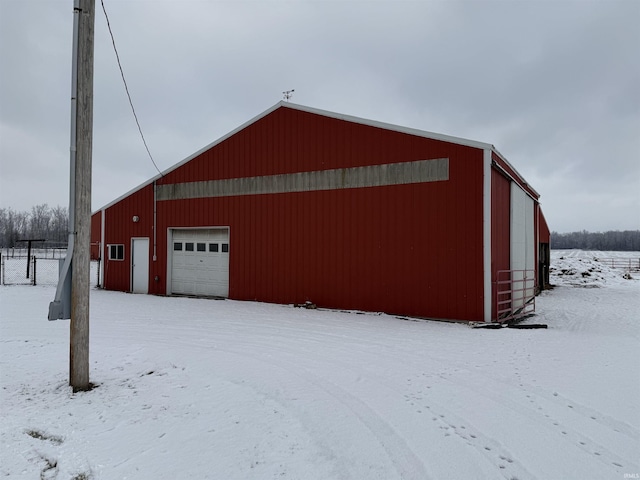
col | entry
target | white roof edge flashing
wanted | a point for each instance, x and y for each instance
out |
(520, 177)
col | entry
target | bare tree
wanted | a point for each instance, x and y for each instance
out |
(4, 226)
(39, 222)
(59, 225)
(13, 225)
(42, 222)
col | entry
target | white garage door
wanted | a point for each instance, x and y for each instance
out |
(200, 262)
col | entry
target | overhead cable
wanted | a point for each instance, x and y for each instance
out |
(127, 88)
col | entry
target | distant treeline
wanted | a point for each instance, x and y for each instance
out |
(42, 223)
(627, 241)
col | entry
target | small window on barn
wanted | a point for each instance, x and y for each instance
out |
(213, 247)
(225, 247)
(188, 246)
(201, 247)
(177, 246)
(116, 252)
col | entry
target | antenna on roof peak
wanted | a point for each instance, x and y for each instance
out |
(287, 94)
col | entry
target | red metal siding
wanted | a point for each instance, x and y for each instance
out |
(545, 234)
(406, 249)
(500, 228)
(288, 140)
(356, 249)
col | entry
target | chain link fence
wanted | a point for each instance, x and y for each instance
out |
(44, 252)
(16, 270)
(37, 270)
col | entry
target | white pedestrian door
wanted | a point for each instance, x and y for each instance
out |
(140, 265)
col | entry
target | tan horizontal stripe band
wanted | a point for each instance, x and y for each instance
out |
(402, 173)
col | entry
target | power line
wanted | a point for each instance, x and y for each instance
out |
(126, 87)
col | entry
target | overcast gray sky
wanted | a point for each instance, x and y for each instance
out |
(554, 85)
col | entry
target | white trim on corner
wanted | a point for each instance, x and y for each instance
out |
(486, 234)
(169, 260)
(536, 251)
(103, 247)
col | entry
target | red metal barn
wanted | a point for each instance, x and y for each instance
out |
(300, 204)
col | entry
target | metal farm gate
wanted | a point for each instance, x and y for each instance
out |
(515, 294)
(628, 264)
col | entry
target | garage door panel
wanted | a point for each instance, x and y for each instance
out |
(522, 243)
(200, 263)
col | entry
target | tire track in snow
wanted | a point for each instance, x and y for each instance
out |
(404, 460)
(408, 465)
(495, 453)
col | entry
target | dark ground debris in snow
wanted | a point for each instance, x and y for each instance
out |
(527, 326)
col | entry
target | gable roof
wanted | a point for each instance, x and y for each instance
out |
(324, 113)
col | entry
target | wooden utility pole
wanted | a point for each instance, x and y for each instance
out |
(84, 15)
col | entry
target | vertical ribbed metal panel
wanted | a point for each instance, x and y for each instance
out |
(545, 234)
(407, 249)
(500, 228)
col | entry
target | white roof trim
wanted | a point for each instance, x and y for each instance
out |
(324, 113)
(520, 177)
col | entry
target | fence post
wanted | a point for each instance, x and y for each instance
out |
(2, 268)
(34, 270)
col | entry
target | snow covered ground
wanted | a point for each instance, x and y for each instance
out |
(198, 389)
